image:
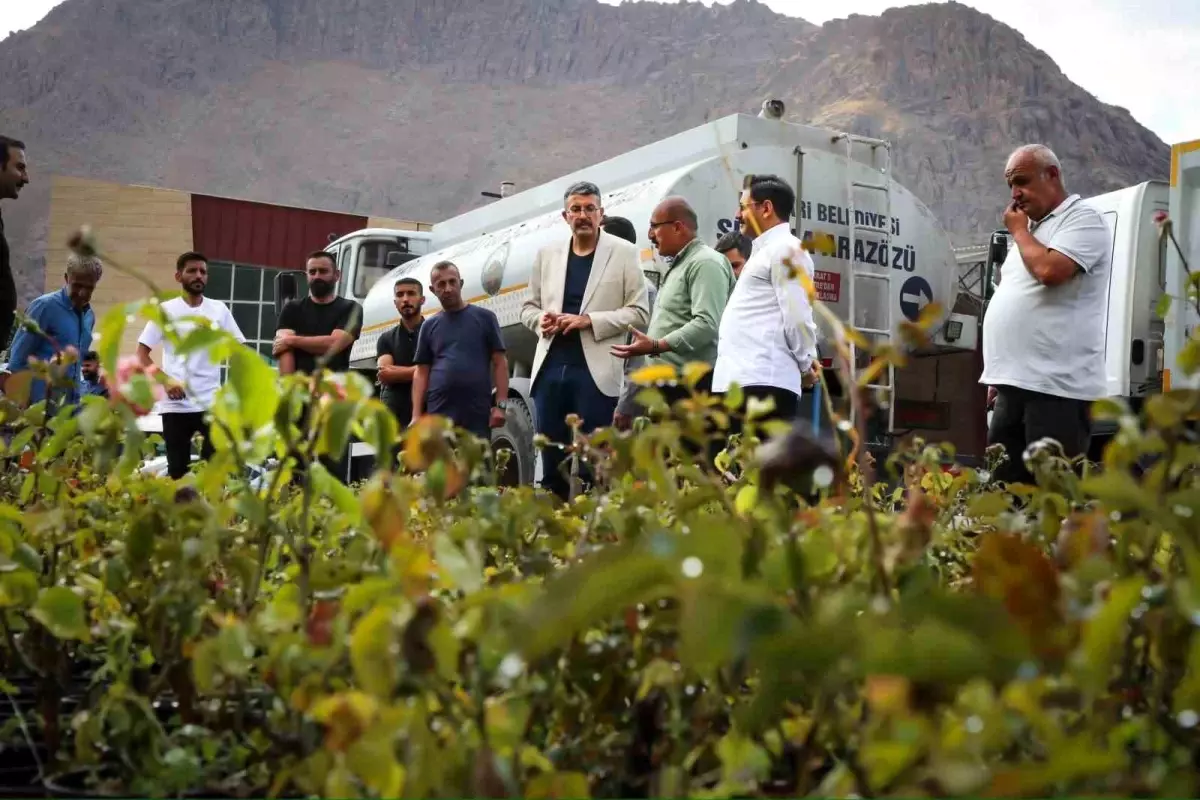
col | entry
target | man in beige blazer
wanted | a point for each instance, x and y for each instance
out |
(585, 293)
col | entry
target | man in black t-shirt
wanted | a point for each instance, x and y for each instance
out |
(396, 349)
(321, 325)
(14, 175)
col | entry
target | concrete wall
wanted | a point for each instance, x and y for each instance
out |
(140, 228)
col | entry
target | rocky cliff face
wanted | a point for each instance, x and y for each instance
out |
(409, 107)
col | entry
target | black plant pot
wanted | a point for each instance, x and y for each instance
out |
(19, 771)
(74, 784)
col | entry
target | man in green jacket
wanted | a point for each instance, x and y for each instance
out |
(691, 298)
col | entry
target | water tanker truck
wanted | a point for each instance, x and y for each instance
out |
(880, 255)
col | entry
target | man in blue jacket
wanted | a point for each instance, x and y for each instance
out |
(66, 320)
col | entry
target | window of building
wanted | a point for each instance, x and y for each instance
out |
(249, 292)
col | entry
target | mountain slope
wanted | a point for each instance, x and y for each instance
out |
(409, 108)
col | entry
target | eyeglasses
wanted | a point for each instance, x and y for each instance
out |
(656, 225)
(576, 211)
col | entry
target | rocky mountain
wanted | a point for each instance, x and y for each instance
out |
(408, 108)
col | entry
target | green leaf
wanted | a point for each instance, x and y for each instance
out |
(62, 612)
(338, 422)
(558, 785)
(340, 494)
(234, 649)
(254, 385)
(373, 759)
(463, 567)
(1104, 635)
(29, 558)
(988, 505)
(139, 544)
(20, 441)
(1118, 491)
(58, 442)
(106, 340)
(18, 589)
(1163, 306)
(371, 654)
(597, 590)
(743, 762)
(505, 718)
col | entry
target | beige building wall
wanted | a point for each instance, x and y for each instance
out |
(141, 229)
(398, 224)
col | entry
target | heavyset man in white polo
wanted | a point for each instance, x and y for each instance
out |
(1043, 334)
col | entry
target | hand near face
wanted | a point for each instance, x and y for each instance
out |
(1015, 219)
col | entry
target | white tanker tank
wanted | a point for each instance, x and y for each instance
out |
(901, 256)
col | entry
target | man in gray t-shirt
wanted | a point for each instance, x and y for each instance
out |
(1043, 334)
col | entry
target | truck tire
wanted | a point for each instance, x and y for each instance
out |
(516, 437)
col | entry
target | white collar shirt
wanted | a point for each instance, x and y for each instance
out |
(767, 335)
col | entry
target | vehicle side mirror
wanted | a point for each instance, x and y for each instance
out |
(286, 289)
(998, 247)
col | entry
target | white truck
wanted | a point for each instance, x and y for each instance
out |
(880, 255)
(1142, 348)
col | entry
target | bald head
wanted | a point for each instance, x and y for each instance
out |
(673, 226)
(1034, 176)
(677, 208)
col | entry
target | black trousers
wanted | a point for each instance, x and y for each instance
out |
(1021, 417)
(787, 406)
(178, 430)
(562, 389)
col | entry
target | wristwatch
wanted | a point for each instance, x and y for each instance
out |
(502, 405)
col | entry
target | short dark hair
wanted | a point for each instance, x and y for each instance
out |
(775, 189)
(621, 227)
(408, 282)
(91, 355)
(7, 143)
(581, 188)
(182, 261)
(322, 254)
(735, 240)
(445, 265)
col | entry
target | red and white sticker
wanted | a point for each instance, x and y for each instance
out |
(828, 285)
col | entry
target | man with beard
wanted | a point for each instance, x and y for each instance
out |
(320, 326)
(194, 378)
(397, 348)
(14, 175)
(94, 381)
(585, 294)
(460, 358)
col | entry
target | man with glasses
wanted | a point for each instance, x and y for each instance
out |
(585, 294)
(687, 313)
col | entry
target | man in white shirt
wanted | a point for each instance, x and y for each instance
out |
(194, 378)
(768, 341)
(1043, 333)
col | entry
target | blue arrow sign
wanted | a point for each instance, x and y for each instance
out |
(915, 294)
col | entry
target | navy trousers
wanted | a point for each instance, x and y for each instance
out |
(562, 389)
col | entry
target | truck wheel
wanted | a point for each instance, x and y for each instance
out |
(516, 438)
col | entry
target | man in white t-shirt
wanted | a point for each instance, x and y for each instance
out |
(1043, 333)
(195, 378)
